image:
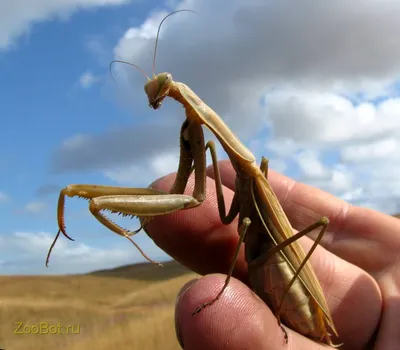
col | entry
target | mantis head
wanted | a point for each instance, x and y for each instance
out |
(158, 88)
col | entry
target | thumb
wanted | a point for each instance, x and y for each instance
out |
(238, 320)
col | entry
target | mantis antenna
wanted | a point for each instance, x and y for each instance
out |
(131, 64)
(158, 33)
(155, 48)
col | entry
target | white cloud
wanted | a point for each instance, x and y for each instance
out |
(87, 79)
(339, 181)
(116, 149)
(303, 79)
(282, 147)
(354, 194)
(165, 163)
(17, 17)
(145, 172)
(47, 188)
(278, 165)
(4, 197)
(336, 179)
(346, 149)
(310, 165)
(96, 46)
(126, 175)
(328, 117)
(385, 148)
(25, 253)
(335, 45)
(76, 141)
(35, 207)
(290, 51)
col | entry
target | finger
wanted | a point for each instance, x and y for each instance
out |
(354, 233)
(238, 320)
(199, 240)
(349, 291)
(196, 237)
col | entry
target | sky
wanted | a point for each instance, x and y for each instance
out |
(313, 86)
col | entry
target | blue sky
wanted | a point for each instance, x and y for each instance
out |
(43, 104)
(319, 104)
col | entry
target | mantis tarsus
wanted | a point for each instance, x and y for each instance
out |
(271, 248)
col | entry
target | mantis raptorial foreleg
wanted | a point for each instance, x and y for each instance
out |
(123, 200)
(153, 204)
(91, 192)
(191, 157)
(144, 203)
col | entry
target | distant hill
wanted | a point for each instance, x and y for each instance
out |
(145, 271)
(150, 272)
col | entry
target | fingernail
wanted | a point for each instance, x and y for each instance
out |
(181, 293)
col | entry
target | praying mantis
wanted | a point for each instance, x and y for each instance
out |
(272, 250)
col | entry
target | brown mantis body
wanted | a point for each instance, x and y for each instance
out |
(272, 250)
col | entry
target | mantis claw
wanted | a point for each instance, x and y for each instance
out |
(203, 306)
(285, 333)
(62, 230)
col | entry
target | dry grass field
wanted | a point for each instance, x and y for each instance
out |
(130, 307)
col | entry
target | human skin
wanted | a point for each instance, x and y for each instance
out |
(358, 268)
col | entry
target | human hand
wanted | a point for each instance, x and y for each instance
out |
(359, 270)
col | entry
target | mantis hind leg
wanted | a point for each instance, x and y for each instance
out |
(242, 233)
(323, 223)
(226, 219)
